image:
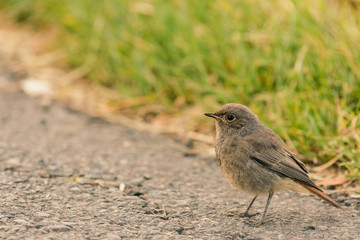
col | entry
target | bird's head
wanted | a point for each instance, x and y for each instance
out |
(235, 117)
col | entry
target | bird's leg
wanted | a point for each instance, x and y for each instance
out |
(266, 207)
(246, 213)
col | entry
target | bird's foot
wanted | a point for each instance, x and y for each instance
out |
(254, 222)
(258, 222)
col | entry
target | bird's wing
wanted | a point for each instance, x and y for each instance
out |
(277, 158)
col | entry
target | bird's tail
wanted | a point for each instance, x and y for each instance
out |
(321, 195)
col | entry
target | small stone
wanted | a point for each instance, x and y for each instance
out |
(309, 228)
(75, 189)
(137, 182)
(122, 187)
(147, 177)
(60, 228)
(20, 221)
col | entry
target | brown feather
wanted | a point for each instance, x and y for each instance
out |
(320, 194)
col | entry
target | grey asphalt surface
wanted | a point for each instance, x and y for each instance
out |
(65, 175)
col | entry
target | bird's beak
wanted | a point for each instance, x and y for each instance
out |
(213, 115)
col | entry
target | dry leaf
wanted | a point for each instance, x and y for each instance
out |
(333, 181)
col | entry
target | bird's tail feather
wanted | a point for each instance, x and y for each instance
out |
(321, 194)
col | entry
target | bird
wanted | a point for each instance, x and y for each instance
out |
(255, 159)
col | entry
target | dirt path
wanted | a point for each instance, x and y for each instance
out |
(64, 175)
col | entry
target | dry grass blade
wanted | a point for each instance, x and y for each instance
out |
(329, 163)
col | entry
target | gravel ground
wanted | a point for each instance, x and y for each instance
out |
(65, 175)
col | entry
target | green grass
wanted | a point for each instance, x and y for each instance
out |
(295, 63)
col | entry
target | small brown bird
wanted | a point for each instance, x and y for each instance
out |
(255, 159)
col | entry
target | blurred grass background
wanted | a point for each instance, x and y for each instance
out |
(295, 63)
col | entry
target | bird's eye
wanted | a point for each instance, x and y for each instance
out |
(230, 117)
